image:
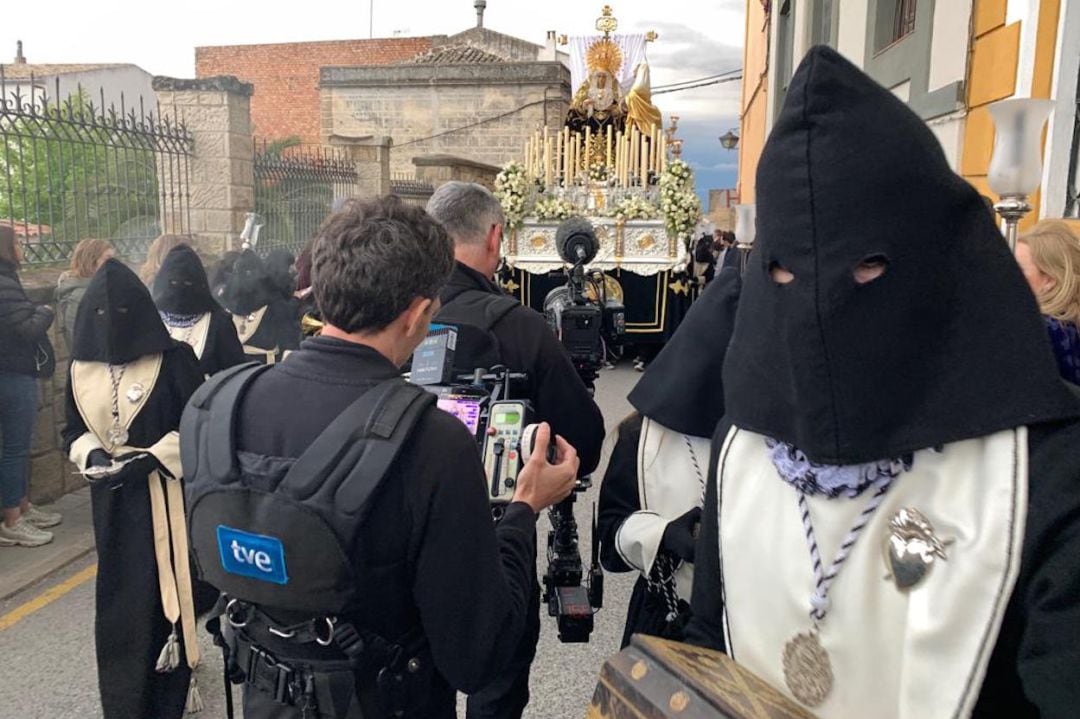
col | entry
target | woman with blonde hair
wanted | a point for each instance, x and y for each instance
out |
(1049, 255)
(155, 255)
(89, 255)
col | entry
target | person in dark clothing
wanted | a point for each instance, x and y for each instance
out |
(1049, 256)
(267, 324)
(474, 220)
(25, 354)
(182, 295)
(892, 518)
(427, 554)
(128, 385)
(654, 486)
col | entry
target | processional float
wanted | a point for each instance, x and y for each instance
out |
(614, 162)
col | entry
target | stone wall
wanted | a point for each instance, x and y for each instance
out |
(438, 169)
(217, 112)
(482, 112)
(51, 475)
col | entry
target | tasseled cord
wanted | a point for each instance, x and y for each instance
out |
(194, 699)
(169, 659)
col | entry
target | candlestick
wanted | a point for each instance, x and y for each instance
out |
(608, 158)
(547, 159)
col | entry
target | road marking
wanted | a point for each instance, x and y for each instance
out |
(46, 598)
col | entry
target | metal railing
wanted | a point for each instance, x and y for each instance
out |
(296, 188)
(409, 189)
(73, 168)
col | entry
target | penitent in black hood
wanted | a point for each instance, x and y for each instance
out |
(945, 345)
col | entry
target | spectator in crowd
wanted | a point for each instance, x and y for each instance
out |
(155, 255)
(89, 255)
(25, 353)
(1049, 256)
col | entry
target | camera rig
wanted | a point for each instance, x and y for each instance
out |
(585, 322)
(501, 427)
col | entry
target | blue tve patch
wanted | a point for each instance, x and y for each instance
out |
(252, 555)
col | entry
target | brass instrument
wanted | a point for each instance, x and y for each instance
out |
(309, 326)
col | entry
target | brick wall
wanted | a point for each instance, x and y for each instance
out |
(286, 76)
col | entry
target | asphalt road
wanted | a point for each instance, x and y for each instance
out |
(47, 667)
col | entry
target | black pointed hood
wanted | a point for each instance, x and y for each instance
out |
(180, 286)
(946, 345)
(682, 388)
(247, 287)
(279, 268)
(117, 321)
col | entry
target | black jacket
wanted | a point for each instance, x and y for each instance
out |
(558, 395)
(22, 326)
(430, 555)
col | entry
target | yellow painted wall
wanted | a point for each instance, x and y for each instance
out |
(754, 98)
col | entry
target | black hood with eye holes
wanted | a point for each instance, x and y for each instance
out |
(180, 286)
(117, 321)
(946, 345)
(247, 287)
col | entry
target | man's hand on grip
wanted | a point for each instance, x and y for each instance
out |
(541, 484)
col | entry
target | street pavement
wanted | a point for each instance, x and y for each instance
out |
(47, 665)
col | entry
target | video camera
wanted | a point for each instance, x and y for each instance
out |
(585, 325)
(504, 431)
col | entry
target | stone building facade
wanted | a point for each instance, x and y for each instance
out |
(476, 95)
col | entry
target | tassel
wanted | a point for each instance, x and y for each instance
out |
(194, 699)
(169, 658)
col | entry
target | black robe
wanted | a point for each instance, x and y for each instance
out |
(222, 349)
(1032, 671)
(279, 330)
(130, 628)
(619, 499)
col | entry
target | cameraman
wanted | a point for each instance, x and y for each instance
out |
(426, 558)
(474, 220)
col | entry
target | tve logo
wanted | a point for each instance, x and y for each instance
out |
(252, 555)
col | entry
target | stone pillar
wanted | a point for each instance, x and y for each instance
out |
(217, 112)
(371, 153)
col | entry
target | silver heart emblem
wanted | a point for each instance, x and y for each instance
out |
(135, 393)
(911, 548)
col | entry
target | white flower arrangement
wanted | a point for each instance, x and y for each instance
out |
(679, 203)
(634, 207)
(511, 188)
(553, 208)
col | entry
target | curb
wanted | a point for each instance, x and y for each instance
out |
(20, 580)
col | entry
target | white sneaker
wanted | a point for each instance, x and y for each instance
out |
(42, 519)
(23, 534)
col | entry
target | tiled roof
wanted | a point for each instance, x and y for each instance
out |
(455, 55)
(23, 71)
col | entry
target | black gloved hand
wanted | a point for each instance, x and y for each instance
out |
(98, 458)
(681, 534)
(140, 467)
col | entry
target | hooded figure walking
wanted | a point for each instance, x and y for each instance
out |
(892, 521)
(182, 295)
(267, 324)
(128, 386)
(654, 486)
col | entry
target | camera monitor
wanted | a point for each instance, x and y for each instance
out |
(464, 403)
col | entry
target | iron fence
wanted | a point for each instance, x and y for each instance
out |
(410, 190)
(71, 169)
(295, 189)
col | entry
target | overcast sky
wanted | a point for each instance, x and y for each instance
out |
(697, 38)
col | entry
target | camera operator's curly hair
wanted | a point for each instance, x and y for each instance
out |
(375, 256)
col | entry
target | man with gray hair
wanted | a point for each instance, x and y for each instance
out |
(521, 340)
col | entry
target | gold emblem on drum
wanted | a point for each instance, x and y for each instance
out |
(538, 242)
(639, 670)
(679, 701)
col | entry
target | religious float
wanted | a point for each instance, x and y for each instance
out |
(613, 162)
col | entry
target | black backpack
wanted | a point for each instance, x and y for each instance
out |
(274, 531)
(473, 313)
